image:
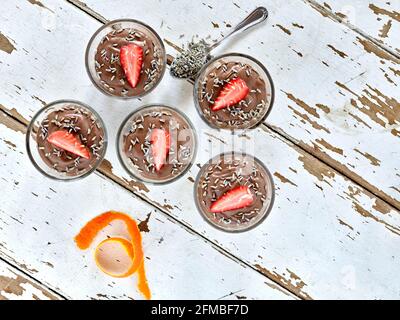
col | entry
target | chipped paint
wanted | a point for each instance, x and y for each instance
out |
(39, 4)
(371, 47)
(316, 168)
(365, 213)
(380, 11)
(381, 206)
(383, 33)
(345, 171)
(48, 264)
(298, 53)
(388, 78)
(10, 123)
(294, 284)
(376, 105)
(106, 167)
(374, 161)
(342, 16)
(284, 179)
(337, 51)
(396, 72)
(9, 143)
(285, 30)
(302, 104)
(15, 114)
(358, 119)
(137, 185)
(191, 179)
(353, 192)
(323, 107)
(297, 25)
(327, 6)
(40, 100)
(306, 118)
(325, 64)
(17, 286)
(274, 286)
(345, 224)
(5, 44)
(328, 146)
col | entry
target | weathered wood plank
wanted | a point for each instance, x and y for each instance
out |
(379, 19)
(331, 82)
(14, 285)
(305, 245)
(45, 216)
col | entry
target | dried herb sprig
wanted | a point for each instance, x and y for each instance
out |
(188, 63)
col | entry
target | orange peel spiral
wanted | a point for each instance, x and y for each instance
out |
(133, 247)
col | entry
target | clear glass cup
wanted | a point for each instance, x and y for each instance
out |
(205, 92)
(46, 165)
(225, 172)
(136, 159)
(97, 39)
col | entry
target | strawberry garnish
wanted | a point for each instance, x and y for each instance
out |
(160, 144)
(232, 93)
(68, 142)
(236, 198)
(131, 57)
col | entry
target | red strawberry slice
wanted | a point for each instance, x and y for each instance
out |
(131, 57)
(160, 144)
(232, 93)
(236, 198)
(68, 142)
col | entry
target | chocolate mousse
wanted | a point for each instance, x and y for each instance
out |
(233, 94)
(234, 191)
(71, 140)
(157, 144)
(113, 75)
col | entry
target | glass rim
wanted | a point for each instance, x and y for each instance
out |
(126, 120)
(241, 55)
(267, 210)
(90, 43)
(29, 130)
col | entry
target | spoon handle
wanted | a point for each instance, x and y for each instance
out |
(255, 17)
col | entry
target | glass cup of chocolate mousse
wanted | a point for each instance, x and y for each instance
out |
(66, 140)
(156, 144)
(125, 58)
(234, 192)
(234, 91)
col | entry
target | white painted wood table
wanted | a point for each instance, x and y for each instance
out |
(332, 142)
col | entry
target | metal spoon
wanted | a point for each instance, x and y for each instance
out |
(188, 63)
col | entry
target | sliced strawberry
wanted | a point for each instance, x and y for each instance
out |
(237, 198)
(68, 142)
(131, 57)
(160, 144)
(232, 93)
